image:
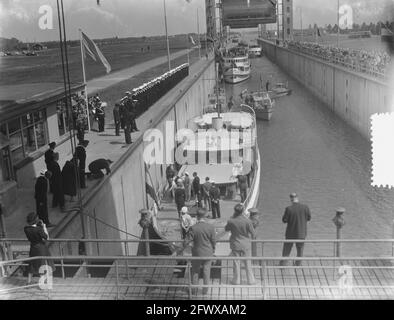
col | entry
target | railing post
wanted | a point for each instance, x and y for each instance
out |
(145, 222)
(127, 260)
(339, 223)
(117, 280)
(189, 276)
(264, 279)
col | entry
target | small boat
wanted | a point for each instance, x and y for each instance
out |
(236, 65)
(280, 90)
(262, 104)
(254, 51)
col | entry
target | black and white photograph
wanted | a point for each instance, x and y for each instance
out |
(174, 151)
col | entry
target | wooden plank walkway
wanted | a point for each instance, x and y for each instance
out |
(311, 281)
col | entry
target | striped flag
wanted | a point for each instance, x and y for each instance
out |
(93, 51)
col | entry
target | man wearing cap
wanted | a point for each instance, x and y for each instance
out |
(49, 153)
(214, 195)
(96, 166)
(203, 237)
(242, 232)
(41, 196)
(80, 155)
(296, 217)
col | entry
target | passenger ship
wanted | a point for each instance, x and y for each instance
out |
(236, 66)
(223, 147)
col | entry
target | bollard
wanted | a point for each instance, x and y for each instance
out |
(339, 223)
(145, 222)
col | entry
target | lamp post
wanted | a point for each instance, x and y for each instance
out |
(168, 42)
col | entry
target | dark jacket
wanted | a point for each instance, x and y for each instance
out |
(56, 182)
(48, 157)
(214, 193)
(296, 216)
(41, 189)
(242, 232)
(116, 113)
(206, 187)
(69, 179)
(80, 154)
(180, 196)
(242, 182)
(99, 164)
(196, 185)
(203, 236)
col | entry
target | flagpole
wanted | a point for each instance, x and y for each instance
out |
(338, 24)
(168, 42)
(84, 78)
(198, 32)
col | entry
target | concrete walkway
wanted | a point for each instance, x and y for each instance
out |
(102, 145)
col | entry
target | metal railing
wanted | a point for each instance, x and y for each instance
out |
(260, 245)
(131, 273)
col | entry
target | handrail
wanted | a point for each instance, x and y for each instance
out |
(218, 241)
(190, 258)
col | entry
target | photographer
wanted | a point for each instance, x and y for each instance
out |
(37, 234)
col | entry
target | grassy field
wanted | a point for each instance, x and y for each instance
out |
(47, 67)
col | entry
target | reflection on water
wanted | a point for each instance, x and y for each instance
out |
(307, 149)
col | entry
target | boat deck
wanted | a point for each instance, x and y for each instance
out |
(314, 280)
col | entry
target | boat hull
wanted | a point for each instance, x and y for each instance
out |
(264, 115)
(236, 78)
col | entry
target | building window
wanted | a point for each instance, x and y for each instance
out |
(288, 9)
(26, 134)
(288, 20)
(62, 118)
(288, 31)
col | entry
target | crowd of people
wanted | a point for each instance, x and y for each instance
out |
(373, 62)
(242, 227)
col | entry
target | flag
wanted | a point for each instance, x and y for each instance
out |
(192, 40)
(93, 51)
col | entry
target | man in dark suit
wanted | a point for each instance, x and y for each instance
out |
(214, 195)
(197, 189)
(56, 182)
(116, 113)
(49, 153)
(180, 197)
(203, 236)
(41, 196)
(296, 216)
(80, 155)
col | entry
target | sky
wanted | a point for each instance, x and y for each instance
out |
(127, 18)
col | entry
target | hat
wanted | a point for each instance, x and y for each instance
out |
(212, 181)
(184, 210)
(32, 218)
(293, 195)
(201, 213)
(186, 173)
(253, 211)
(84, 142)
(127, 93)
(110, 161)
(42, 172)
(52, 144)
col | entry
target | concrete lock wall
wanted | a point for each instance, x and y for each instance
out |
(116, 201)
(355, 97)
